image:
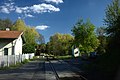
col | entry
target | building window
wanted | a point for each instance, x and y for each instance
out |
(5, 51)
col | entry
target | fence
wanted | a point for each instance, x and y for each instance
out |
(7, 60)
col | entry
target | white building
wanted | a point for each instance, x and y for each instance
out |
(11, 42)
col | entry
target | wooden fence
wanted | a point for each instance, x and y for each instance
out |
(8, 60)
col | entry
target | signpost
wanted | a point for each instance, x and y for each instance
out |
(75, 52)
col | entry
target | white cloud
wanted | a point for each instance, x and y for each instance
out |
(18, 10)
(4, 10)
(28, 11)
(28, 15)
(42, 8)
(22, 9)
(19, 17)
(10, 0)
(42, 27)
(7, 7)
(54, 1)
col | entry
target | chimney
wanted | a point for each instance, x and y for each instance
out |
(7, 29)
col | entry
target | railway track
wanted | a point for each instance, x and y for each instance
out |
(66, 78)
(54, 71)
(81, 77)
(39, 73)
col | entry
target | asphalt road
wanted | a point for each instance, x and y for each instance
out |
(33, 70)
(40, 70)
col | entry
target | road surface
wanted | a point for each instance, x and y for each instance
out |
(41, 70)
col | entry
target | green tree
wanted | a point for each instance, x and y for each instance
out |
(30, 34)
(19, 25)
(101, 31)
(49, 48)
(60, 44)
(85, 37)
(56, 44)
(40, 39)
(112, 20)
(42, 48)
(6, 23)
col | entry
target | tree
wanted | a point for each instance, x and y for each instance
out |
(19, 25)
(101, 31)
(40, 39)
(102, 40)
(112, 20)
(59, 44)
(49, 48)
(85, 37)
(30, 34)
(6, 23)
(42, 48)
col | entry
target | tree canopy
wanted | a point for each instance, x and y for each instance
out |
(59, 44)
(30, 34)
(6, 23)
(112, 20)
(101, 35)
(85, 37)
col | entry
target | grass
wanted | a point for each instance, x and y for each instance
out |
(11, 66)
(25, 61)
(110, 64)
(14, 66)
(17, 65)
(34, 58)
(106, 65)
(64, 57)
(70, 78)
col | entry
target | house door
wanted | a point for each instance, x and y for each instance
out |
(5, 51)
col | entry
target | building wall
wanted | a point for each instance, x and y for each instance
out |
(18, 46)
(8, 43)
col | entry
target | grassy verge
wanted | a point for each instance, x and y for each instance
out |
(15, 66)
(106, 66)
(64, 57)
(70, 78)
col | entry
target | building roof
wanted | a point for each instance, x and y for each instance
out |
(10, 34)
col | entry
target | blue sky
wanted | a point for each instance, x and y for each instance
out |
(52, 16)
